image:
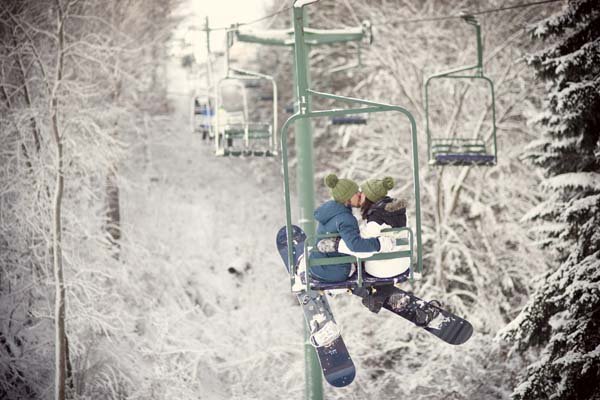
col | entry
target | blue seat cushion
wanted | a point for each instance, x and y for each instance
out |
(348, 121)
(464, 159)
(352, 282)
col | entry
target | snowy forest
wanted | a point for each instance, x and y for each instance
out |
(135, 264)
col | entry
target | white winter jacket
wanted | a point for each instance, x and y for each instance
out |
(381, 268)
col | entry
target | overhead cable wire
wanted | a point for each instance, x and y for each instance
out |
(536, 3)
(351, 9)
(404, 21)
(463, 14)
(267, 16)
(281, 9)
(225, 28)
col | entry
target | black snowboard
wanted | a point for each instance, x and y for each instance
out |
(429, 316)
(334, 358)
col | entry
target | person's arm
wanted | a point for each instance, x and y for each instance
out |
(373, 229)
(343, 248)
(348, 229)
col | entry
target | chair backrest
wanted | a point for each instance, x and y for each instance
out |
(235, 118)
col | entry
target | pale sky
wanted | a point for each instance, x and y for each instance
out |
(221, 13)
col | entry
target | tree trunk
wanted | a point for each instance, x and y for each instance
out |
(113, 214)
(59, 284)
(440, 221)
(26, 94)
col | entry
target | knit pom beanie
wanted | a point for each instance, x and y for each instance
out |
(376, 189)
(341, 190)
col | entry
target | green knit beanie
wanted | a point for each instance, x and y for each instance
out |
(376, 189)
(341, 190)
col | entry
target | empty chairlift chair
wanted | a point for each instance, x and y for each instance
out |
(202, 117)
(238, 135)
(459, 150)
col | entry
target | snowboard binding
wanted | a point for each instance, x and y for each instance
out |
(324, 335)
(424, 315)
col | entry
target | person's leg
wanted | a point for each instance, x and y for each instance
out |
(298, 285)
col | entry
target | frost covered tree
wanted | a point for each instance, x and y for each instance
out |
(562, 319)
(75, 84)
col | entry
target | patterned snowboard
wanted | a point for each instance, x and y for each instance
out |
(449, 327)
(334, 358)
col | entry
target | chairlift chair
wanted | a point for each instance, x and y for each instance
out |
(289, 108)
(241, 136)
(404, 236)
(237, 134)
(202, 116)
(459, 150)
(359, 107)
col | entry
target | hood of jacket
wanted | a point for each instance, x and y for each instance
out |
(388, 211)
(330, 209)
(388, 204)
(395, 205)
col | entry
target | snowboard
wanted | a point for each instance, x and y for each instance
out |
(334, 358)
(431, 317)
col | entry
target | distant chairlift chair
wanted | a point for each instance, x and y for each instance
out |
(202, 116)
(457, 150)
(237, 135)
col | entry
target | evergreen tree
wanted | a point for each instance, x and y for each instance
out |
(562, 319)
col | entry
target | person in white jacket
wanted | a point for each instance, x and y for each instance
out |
(380, 212)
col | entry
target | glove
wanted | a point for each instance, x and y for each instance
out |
(328, 245)
(386, 244)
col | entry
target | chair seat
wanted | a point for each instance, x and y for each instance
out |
(203, 111)
(463, 159)
(262, 153)
(457, 145)
(348, 121)
(256, 131)
(352, 282)
(233, 153)
(259, 134)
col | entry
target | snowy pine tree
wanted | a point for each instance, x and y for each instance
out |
(562, 319)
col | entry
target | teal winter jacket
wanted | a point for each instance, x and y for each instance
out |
(333, 217)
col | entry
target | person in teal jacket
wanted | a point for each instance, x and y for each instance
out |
(335, 216)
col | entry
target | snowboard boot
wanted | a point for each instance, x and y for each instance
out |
(299, 285)
(424, 315)
(376, 297)
(398, 301)
(324, 335)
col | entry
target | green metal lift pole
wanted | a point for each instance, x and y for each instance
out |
(301, 38)
(209, 71)
(304, 137)
(208, 63)
(313, 378)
